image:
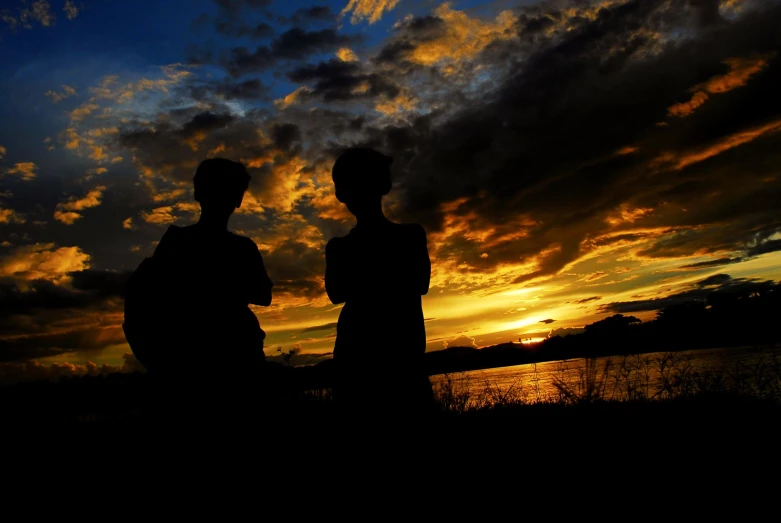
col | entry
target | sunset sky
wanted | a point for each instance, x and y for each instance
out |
(568, 159)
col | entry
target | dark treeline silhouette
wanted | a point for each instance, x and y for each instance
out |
(722, 319)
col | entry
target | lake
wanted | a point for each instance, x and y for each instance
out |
(650, 375)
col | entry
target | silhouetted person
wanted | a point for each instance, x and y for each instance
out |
(379, 270)
(194, 331)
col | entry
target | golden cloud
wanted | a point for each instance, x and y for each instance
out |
(345, 54)
(290, 99)
(463, 38)
(68, 218)
(678, 161)
(24, 170)
(3, 152)
(165, 214)
(740, 70)
(65, 211)
(11, 216)
(43, 261)
(83, 110)
(370, 10)
(128, 223)
(402, 103)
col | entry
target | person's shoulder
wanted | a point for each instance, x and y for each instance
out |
(337, 243)
(243, 242)
(173, 234)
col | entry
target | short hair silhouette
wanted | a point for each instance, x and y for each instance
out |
(379, 270)
(187, 315)
(361, 171)
(219, 179)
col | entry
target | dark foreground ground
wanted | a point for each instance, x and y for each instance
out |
(689, 453)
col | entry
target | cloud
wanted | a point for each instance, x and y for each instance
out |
(10, 216)
(65, 211)
(702, 290)
(460, 341)
(587, 300)
(128, 223)
(56, 97)
(24, 170)
(548, 321)
(317, 13)
(29, 371)
(43, 261)
(71, 11)
(235, 7)
(345, 54)
(294, 44)
(325, 326)
(446, 39)
(741, 69)
(255, 32)
(337, 80)
(3, 152)
(369, 10)
(29, 12)
(165, 215)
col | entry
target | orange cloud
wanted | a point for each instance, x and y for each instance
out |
(402, 103)
(43, 261)
(463, 38)
(165, 214)
(345, 54)
(65, 211)
(680, 160)
(370, 10)
(24, 170)
(11, 216)
(3, 152)
(128, 223)
(741, 69)
(83, 110)
(686, 108)
(292, 98)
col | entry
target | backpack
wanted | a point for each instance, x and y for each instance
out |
(147, 329)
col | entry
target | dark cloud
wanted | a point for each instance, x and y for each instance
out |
(586, 300)
(336, 80)
(62, 342)
(296, 269)
(234, 7)
(711, 263)
(536, 147)
(293, 44)
(297, 43)
(325, 326)
(285, 135)
(408, 35)
(255, 32)
(317, 13)
(243, 90)
(548, 321)
(711, 288)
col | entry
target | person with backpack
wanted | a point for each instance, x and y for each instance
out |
(187, 315)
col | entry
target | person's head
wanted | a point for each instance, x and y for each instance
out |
(361, 178)
(219, 185)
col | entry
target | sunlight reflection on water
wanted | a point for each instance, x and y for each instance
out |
(614, 377)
